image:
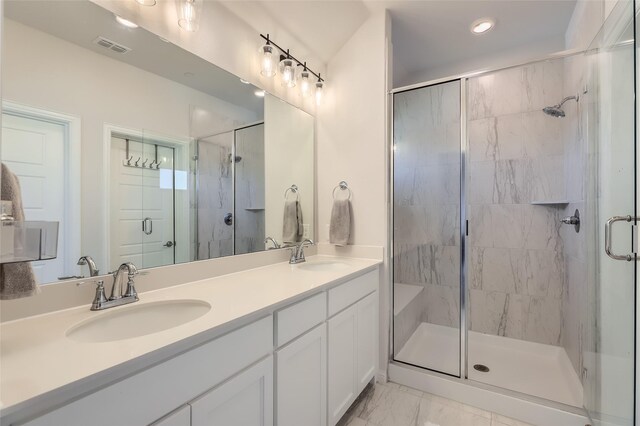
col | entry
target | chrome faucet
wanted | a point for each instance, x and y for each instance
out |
(275, 243)
(297, 252)
(88, 260)
(118, 297)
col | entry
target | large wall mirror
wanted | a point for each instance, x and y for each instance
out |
(142, 151)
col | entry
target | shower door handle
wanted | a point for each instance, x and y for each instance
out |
(147, 229)
(608, 243)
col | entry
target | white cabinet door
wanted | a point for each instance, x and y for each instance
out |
(244, 400)
(342, 338)
(302, 380)
(367, 347)
(180, 417)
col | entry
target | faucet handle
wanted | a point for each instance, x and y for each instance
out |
(100, 298)
(131, 289)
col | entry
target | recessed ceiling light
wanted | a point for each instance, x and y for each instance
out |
(259, 93)
(481, 26)
(147, 2)
(126, 22)
(243, 81)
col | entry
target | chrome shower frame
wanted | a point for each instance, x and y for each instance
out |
(464, 291)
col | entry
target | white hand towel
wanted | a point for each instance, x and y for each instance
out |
(292, 227)
(340, 226)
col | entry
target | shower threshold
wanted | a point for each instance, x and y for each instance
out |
(535, 369)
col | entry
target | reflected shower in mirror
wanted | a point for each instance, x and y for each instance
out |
(140, 150)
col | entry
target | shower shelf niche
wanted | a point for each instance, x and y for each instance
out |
(552, 203)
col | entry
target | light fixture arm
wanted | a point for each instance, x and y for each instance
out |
(290, 56)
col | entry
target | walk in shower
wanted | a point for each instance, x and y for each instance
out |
(493, 280)
(230, 192)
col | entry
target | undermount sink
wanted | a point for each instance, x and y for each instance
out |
(137, 320)
(323, 265)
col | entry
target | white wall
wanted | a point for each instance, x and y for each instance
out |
(223, 39)
(288, 140)
(49, 73)
(352, 141)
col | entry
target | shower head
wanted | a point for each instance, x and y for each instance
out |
(556, 110)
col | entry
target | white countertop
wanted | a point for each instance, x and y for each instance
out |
(40, 367)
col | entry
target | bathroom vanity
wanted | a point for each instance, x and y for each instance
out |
(281, 344)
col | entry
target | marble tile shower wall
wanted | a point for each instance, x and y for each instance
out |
(516, 158)
(215, 198)
(427, 200)
(249, 217)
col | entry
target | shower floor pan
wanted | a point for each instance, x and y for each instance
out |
(531, 368)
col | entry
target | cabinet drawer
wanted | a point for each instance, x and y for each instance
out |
(350, 292)
(295, 320)
(168, 385)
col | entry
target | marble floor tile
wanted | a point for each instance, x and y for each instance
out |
(390, 404)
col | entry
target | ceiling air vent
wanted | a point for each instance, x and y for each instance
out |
(111, 45)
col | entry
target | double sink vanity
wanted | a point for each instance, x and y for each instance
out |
(279, 344)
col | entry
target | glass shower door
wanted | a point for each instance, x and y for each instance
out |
(609, 363)
(426, 227)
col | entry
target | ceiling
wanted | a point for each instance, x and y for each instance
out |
(432, 34)
(426, 34)
(80, 22)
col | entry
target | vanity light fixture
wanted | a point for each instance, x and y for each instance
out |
(189, 12)
(287, 68)
(319, 90)
(290, 69)
(267, 66)
(305, 81)
(126, 22)
(481, 26)
(146, 2)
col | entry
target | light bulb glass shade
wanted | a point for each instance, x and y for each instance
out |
(267, 63)
(287, 70)
(189, 12)
(305, 83)
(146, 2)
(319, 90)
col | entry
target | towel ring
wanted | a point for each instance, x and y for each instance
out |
(343, 187)
(293, 188)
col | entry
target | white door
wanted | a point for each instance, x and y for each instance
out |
(342, 332)
(367, 347)
(35, 151)
(302, 380)
(141, 207)
(158, 202)
(244, 400)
